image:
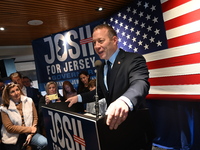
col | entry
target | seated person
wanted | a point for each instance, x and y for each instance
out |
(19, 120)
(68, 90)
(17, 78)
(51, 91)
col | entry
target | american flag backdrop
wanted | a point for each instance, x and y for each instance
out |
(167, 34)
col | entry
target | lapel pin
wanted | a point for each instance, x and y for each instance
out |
(119, 62)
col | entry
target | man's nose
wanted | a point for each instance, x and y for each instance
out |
(97, 45)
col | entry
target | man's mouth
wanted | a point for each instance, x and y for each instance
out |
(100, 53)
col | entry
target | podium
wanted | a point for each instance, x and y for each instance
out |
(68, 130)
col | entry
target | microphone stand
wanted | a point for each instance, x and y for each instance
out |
(98, 63)
(97, 100)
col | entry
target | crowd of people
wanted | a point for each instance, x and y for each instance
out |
(123, 93)
(20, 92)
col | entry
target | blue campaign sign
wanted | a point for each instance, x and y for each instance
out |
(62, 56)
(67, 131)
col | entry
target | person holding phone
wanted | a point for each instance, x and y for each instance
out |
(19, 120)
(52, 96)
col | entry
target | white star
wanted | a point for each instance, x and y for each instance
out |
(123, 33)
(151, 39)
(136, 22)
(111, 19)
(141, 14)
(135, 49)
(146, 5)
(159, 43)
(119, 15)
(130, 46)
(140, 42)
(144, 36)
(153, 8)
(148, 17)
(121, 24)
(124, 17)
(128, 9)
(149, 28)
(119, 39)
(132, 29)
(116, 21)
(128, 36)
(124, 43)
(146, 46)
(117, 30)
(157, 31)
(134, 39)
(126, 27)
(142, 25)
(155, 19)
(130, 20)
(137, 32)
(139, 3)
(134, 11)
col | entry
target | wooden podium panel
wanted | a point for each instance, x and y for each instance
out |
(68, 130)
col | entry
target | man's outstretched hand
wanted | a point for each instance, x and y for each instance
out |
(116, 113)
(72, 100)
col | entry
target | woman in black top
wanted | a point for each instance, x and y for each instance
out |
(84, 80)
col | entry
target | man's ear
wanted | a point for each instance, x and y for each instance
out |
(115, 39)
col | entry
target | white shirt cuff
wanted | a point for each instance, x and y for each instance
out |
(79, 98)
(127, 101)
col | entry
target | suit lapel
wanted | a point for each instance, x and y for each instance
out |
(117, 64)
(101, 77)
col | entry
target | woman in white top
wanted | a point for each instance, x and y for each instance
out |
(19, 120)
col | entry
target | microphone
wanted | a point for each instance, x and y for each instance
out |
(97, 64)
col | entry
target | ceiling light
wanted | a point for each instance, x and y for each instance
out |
(100, 9)
(2, 28)
(35, 22)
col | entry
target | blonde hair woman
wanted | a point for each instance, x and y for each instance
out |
(51, 97)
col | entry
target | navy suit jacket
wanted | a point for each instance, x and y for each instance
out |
(129, 78)
(34, 94)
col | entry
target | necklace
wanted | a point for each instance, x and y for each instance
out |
(17, 103)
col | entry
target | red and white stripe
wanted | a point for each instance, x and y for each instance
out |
(175, 72)
(79, 140)
(85, 41)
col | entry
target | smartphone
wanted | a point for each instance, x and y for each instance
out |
(24, 145)
(53, 96)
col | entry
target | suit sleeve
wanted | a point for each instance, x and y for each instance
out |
(88, 96)
(138, 81)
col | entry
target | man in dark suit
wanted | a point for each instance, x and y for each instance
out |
(128, 85)
(125, 91)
